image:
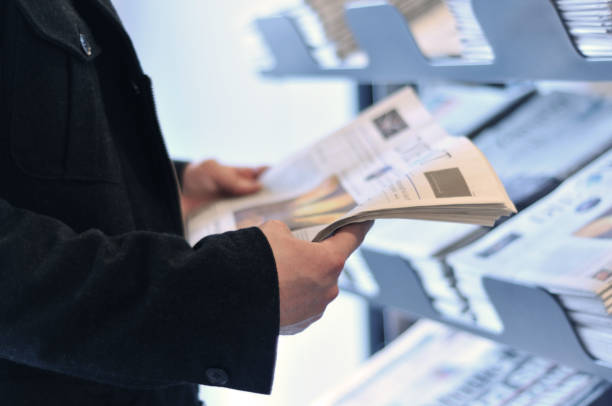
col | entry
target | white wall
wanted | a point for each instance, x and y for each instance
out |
(210, 99)
(212, 103)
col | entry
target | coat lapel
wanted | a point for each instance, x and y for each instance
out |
(108, 6)
(58, 22)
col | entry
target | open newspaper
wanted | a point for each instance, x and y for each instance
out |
(392, 161)
(562, 243)
(543, 126)
(433, 365)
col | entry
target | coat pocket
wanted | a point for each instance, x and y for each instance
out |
(58, 125)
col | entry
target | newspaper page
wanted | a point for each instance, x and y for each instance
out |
(546, 125)
(393, 161)
(543, 126)
(575, 221)
(465, 109)
(433, 365)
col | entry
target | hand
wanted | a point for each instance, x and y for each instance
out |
(208, 181)
(308, 272)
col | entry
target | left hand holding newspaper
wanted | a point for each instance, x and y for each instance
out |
(393, 161)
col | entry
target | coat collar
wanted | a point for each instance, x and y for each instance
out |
(109, 8)
(58, 22)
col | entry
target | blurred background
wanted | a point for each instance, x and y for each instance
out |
(212, 103)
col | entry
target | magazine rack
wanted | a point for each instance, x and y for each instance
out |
(533, 319)
(528, 38)
(529, 42)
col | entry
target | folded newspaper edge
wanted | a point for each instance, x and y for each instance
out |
(434, 365)
(392, 161)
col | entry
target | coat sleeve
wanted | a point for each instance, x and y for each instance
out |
(138, 310)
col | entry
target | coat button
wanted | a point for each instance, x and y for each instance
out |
(216, 376)
(135, 87)
(85, 46)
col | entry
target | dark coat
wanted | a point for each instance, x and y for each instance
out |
(102, 301)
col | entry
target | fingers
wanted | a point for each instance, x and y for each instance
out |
(253, 173)
(241, 181)
(348, 238)
(308, 272)
(236, 181)
(244, 186)
(258, 171)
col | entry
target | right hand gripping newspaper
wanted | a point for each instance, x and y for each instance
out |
(392, 161)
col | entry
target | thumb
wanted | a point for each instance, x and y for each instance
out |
(252, 173)
(233, 181)
(348, 238)
(242, 186)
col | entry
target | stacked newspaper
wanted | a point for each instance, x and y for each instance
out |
(563, 243)
(433, 365)
(590, 25)
(475, 45)
(393, 161)
(324, 27)
(543, 126)
(325, 30)
(463, 109)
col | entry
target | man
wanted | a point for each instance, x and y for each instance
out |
(102, 301)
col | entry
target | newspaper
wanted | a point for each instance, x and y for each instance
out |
(463, 109)
(430, 22)
(598, 343)
(544, 126)
(393, 161)
(562, 243)
(433, 365)
(588, 23)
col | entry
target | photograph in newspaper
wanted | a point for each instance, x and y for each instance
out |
(323, 205)
(543, 125)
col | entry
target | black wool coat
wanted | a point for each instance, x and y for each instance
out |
(102, 301)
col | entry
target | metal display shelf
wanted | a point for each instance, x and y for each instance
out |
(533, 319)
(528, 38)
(529, 42)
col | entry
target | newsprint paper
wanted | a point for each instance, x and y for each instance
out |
(392, 161)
